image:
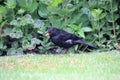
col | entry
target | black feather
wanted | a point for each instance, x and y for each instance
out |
(66, 40)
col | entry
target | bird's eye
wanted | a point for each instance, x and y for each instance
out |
(49, 31)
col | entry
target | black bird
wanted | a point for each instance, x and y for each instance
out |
(64, 39)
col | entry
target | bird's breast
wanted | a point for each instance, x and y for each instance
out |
(55, 40)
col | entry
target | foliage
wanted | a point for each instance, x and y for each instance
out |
(23, 23)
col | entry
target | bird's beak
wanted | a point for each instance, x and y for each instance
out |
(47, 34)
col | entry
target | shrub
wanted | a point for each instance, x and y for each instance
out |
(23, 23)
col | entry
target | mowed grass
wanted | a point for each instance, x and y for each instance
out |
(84, 66)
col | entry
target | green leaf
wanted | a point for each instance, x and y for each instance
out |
(15, 44)
(115, 5)
(68, 29)
(55, 3)
(3, 11)
(11, 4)
(75, 27)
(25, 20)
(101, 24)
(64, 12)
(16, 33)
(0, 17)
(94, 24)
(7, 31)
(29, 5)
(35, 41)
(75, 17)
(55, 22)
(33, 6)
(86, 11)
(92, 3)
(38, 23)
(42, 11)
(102, 15)
(15, 23)
(87, 29)
(112, 18)
(11, 51)
(19, 51)
(21, 11)
(1, 52)
(81, 33)
(2, 45)
(3, 23)
(96, 14)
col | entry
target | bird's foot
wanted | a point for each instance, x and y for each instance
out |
(58, 51)
(63, 51)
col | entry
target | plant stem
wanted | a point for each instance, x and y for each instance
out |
(91, 43)
(98, 31)
(114, 31)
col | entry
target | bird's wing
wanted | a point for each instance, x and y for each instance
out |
(69, 41)
(66, 35)
(67, 38)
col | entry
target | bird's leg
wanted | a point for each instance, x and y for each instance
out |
(63, 51)
(58, 50)
(54, 50)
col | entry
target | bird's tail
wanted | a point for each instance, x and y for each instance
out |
(85, 44)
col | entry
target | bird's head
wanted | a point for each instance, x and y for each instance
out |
(52, 32)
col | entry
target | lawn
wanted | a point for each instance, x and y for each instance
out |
(84, 66)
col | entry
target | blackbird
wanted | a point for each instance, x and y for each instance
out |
(66, 40)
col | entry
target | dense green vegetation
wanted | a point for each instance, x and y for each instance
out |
(95, 66)
(23, 23)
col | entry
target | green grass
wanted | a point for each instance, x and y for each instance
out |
(91, 66)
